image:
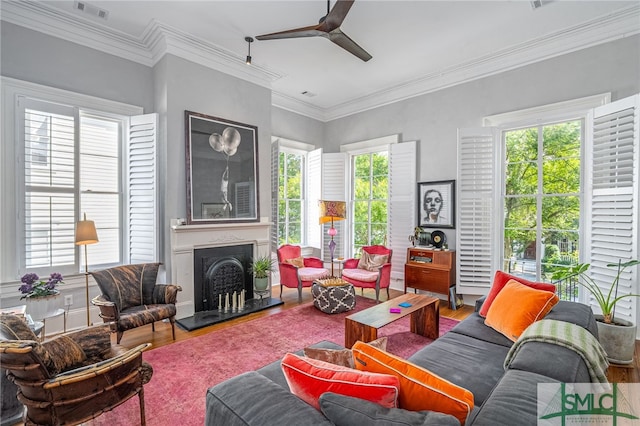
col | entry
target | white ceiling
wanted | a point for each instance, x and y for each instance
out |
(417, 46)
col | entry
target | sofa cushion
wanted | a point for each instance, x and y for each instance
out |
(420, 389)
(500, 279)
(516, 307)
(343, 357)
(514, 400)
(471, 363)
(349, 411)
(252, 399)
(309, 378)
(474, 326)
(575, 313)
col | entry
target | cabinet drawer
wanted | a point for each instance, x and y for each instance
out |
(427, 279)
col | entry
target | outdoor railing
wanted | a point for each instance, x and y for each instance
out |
(567, 289)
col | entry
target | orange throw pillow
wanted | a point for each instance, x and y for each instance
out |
(500, 280)
(298, 262)
(420, 389)
(518, 306)
(309, 378)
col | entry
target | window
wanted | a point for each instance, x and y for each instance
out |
(69, 171)
(542, 198)
(290, 197)
(370, 192)
(75, 154)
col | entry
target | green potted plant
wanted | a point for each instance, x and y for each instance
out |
(261, 267)
(617, 336)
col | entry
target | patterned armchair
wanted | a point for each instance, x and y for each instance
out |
(296, 271)
(372, 270)
(131, 298)
(73, 377)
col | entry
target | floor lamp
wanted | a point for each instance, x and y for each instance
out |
(331, 211)
(86, 234)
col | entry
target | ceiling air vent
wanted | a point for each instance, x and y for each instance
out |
(308, 94)
(90, 9)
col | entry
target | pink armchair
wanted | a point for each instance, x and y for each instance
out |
(296, 271)
(372, 270)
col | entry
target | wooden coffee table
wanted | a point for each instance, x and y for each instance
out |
(364, 325)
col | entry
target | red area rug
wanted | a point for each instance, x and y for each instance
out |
(183, 371)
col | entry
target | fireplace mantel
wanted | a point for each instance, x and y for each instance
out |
(187, 238)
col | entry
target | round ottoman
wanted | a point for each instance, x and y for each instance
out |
(333, 299)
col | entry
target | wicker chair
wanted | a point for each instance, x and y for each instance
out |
(73, 377)
(131, 298)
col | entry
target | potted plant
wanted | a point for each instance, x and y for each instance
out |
(41, 295)
(261, 267)
(617, 336)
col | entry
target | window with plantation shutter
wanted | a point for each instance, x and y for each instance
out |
(402, 202)
(142, 191)
(477, 232)
(84, 161)
(314, 193)
(613, 196)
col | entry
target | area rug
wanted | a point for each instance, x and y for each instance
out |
(183, 371)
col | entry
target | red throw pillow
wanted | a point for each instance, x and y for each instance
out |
(500, 280)
(309, 378)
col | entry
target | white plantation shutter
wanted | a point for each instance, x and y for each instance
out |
(313, 194)
(142, 189)
(402, 202)
(275, 181)
(478, 230)
(48, 131)
(334, 173)
(612, 195)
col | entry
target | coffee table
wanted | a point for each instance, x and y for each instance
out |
(424, 311)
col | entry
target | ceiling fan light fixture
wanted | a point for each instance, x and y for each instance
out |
(249, 40)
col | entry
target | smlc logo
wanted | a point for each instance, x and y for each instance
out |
(588, 403)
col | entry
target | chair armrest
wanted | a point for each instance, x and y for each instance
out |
(351, 263)
(166, 293)
(108, 310)
(313, 262)
(100, 368)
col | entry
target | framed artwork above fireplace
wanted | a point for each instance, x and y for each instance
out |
(222, 170)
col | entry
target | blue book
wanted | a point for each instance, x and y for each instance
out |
(404, 304)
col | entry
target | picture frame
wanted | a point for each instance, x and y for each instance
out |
(222, 170)
(437, 204)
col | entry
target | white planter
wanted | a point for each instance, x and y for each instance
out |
(618, 341)
(43, 307)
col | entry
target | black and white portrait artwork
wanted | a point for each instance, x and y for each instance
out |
(222, 172)
(436, 204)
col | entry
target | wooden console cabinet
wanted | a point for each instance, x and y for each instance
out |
(430, 270)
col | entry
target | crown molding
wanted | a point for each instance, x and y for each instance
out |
(622, 23)
(159, 39)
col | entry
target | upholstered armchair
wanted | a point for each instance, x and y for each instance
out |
(131, 298)
(296, 271)
(372, 270)
(73, 377)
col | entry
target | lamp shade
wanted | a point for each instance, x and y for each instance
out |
(332, 211)
(86, 232)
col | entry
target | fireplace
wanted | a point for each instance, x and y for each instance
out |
(211, 262)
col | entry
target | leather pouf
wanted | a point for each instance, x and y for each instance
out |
(334, 299)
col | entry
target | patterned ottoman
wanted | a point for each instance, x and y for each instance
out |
(333, 299)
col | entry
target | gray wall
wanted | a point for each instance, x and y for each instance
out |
(32, 56)
(289, 125)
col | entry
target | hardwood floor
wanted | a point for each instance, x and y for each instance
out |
(162, 335)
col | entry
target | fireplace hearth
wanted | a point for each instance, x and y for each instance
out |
(220, 273)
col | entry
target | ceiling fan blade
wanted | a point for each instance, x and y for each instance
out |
(343, 40)
(310, 31)
(337, 14)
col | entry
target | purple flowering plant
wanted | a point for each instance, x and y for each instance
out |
(33, 286)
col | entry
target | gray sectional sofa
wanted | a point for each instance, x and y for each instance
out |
(470, 355)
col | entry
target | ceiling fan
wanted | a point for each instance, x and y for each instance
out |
(328, 27)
